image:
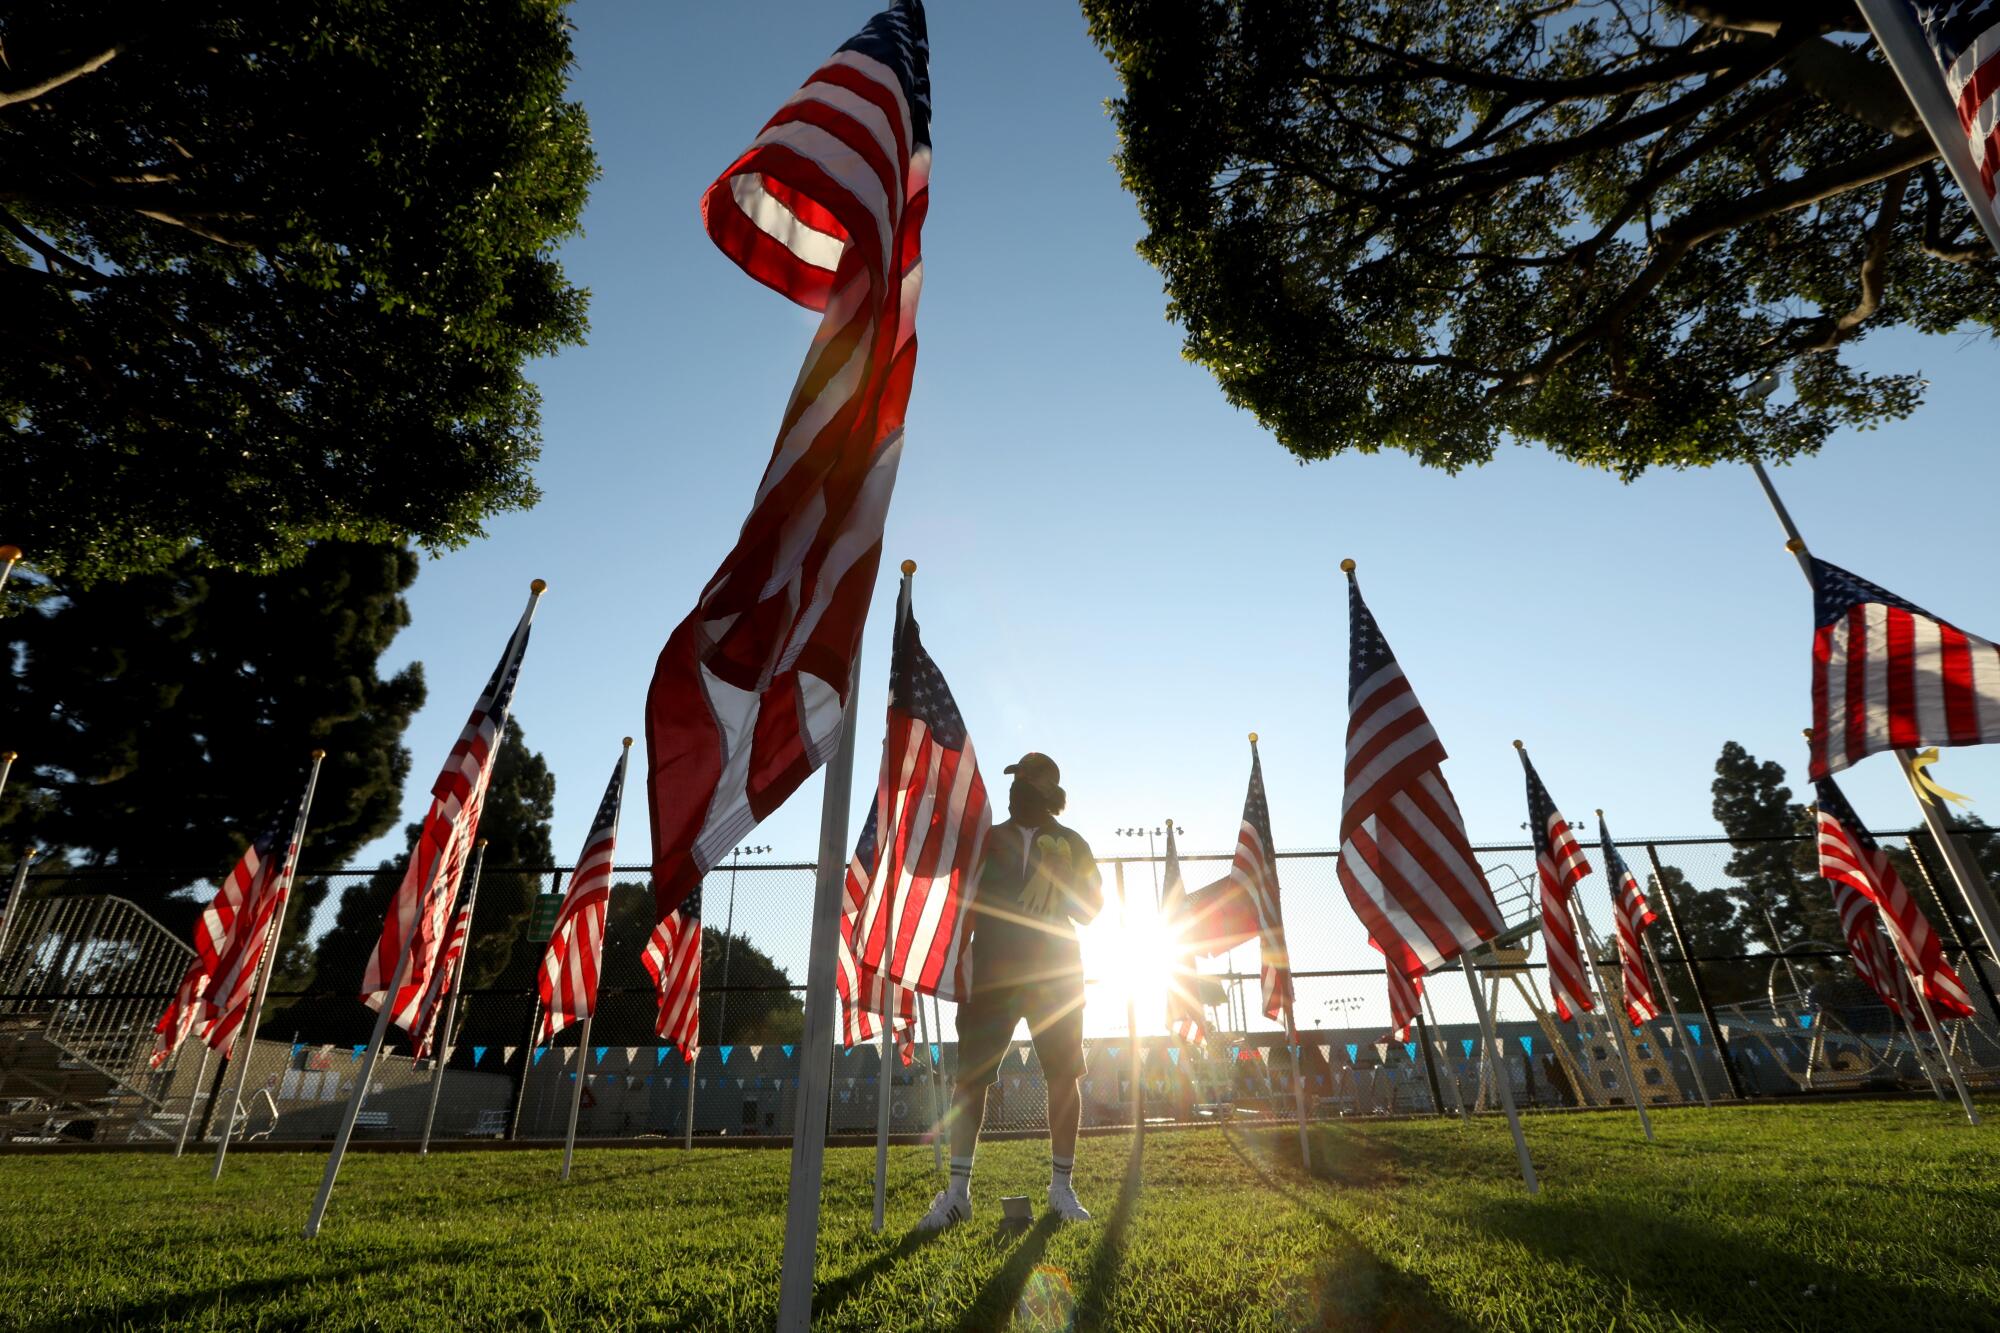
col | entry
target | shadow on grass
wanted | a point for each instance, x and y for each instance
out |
(1712, 1276)
(830, 1296)
(1108, 1255)
(196, 1304)
(993, 1307)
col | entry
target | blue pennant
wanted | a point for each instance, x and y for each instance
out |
(478, 1054)
(360, 1050)
(660, 1054)
(725, 1050)
(1353, 1052)
(937, 1052)
(297, 1046)
(540, 1051)
(789, 1048)
(1528, 1044)
(1466, 1042)
(1410, 1048)
(1694, 1030)
(1805, 1020)
(1174, 1054)
(600, 1053)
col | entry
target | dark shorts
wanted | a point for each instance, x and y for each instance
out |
(1054, 1011)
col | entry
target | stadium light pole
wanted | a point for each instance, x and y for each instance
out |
(728, 939)
(1131, 1004)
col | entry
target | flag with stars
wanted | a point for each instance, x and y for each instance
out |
(1559, 863)
(1888, 675)
(673, 956)
(1254, 871)
(1406, 865)
(827, 207)
(575, 953)
(1633, 917)
(918, 881)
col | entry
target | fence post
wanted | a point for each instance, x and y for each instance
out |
(1694, 975)
(1951, 920)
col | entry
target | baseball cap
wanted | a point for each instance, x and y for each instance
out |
(1037, 768)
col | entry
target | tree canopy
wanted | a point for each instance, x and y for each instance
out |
(268, 273)
(1437, 224)
(165, 720)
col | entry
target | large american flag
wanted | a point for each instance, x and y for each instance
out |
(443, 978)
(1633, 917)
(1888, 675)
(422, 904)
(1405, 862)
(1947, 53)
(576, 945)
(933, 801)
(230, 937)
(827, 207)
(1184, 1016)
(1559, 863)
(1254, 870)
(1405, 995)
(1849, 856)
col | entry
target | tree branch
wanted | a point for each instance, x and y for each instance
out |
(9, 97)
(1678, 238)
(49, 253)
(1874, 262)
(1935, 245)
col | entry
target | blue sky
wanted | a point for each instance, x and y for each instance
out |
(1116, 567)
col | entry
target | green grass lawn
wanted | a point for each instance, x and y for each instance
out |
(1855, 1215)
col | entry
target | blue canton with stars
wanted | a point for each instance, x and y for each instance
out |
(1836, 592)
(1541, 806)
(917, 690)
(1615, 868)
(1950, 25)
(1367, 651)
(1257, 812)
(899, 39)
(1834, 802)
(607, 809)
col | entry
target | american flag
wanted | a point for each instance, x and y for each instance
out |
(1405, 863)
(576, 945)
(1184, 1016)
(673, 956)
(1947, 53)
(933, 800)
(1849, 856)
(230, 937)
(418, 912)
(1633, 917)
(827, 207)
(1560, 864)
(1888, 675)
(443, 978)
(1254, 870)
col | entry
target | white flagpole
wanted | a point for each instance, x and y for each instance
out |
(883, 1082)
(7, 759)
(1502, 1084)
(1680, 1030)
(1615, 1017)
(1132, 1015)
(265, 966)
(1915, 972)
(11, 555)
(930, 1082)
(187, 1116)
(353, 1108)
(687, 1127)
(441, 1044)
(795, 1281)
(14, 892)
(576, 1092)
(1909, 55)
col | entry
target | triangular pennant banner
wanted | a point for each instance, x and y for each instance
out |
(1410, 1049)
(1353, 1052)
(359, 1051)
(1805, 1020)
(1382, 1052)
(478, 1054)
(540, 1051)
(1174, 1054)
(788, 1050)
(601, 1053)
(631, 1056)
(660, 1054)
(1235, 1052)
(704, 1083)
(1467, 1044)
(1694, 1030)
(569, 1053)
(297, 1046)
(937, 1052)
(1528, 1044)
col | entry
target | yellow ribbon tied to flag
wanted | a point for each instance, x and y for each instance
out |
(1921, 761)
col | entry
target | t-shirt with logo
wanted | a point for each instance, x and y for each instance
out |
(1011, 945)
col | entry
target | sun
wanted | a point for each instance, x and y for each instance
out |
(1128, 957)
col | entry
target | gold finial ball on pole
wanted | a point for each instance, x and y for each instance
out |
(1794, 545)
(1600, 814)
(1347, 566)
(909, 566)
(481, 844)
(10, 553)
(539, 586)
(319, 754)
(628, 742)
(1519, 746)
(1807, 732)
(1253, 738)
(8, 756)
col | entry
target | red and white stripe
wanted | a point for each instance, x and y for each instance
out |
(826, 206)
(1847, 856)
(1405, 994)
(422, 903)
(1559, 864)
(1889, 676)
(1633, 916)
(1254, 869)
(1869, 950)
(1973, 83)
(446, 976)
(230, 938)
(575, 953)
(673, 956)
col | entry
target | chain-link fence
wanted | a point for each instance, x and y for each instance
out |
(1758, 1000)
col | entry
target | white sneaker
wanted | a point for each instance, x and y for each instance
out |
(949, 1208)
(1063, 1203)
